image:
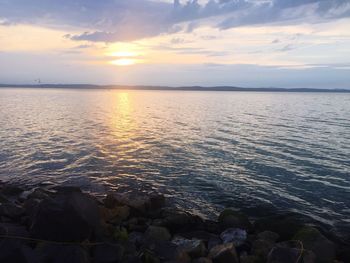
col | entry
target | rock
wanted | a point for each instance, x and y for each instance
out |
(11, 210)
(223, 254)
(195, 248)
(62, 253)
(136, 238)
(108, 253)
(268, 236)
(39, 193)
(234, 219)
(234, 235)
(250, 259)
(11, 229)
(261, 248)
(290, 252)
(178, 222)
(149, 257)
(313, 240)
(202, 260)
(284, 225)
(214, 241)
(115, 215)
(157, 233)
(61, 189)
(69, 217)
(139, 203)
(166, 251)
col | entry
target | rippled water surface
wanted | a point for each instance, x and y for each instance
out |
(203, 149)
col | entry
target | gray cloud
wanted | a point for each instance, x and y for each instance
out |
(126, 20)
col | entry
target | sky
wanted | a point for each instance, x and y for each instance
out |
(246, 43)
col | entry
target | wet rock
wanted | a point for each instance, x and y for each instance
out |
(268, 236)
(137, 238)
(223, 253)
(62, 253)
(61, 189)
(193, 247)
(313, 240)
(178, 222)
(157, 233)
(202, 260)
(284, 225)
(68, 217)
(234, 235)
(166, 251)
(230, 218)
(115, 215)
(290, 252)
(139, 203)
(39, 194)
(261, 248)
(30, 207)
(108, 253)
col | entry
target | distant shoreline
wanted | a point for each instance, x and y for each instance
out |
(166, 88)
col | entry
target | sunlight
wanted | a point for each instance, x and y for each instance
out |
(124, 62)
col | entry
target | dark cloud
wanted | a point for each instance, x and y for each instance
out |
(125, 20)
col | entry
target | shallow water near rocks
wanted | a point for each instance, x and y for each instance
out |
(260, 152)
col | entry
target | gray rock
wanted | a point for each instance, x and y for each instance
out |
(11, 210)
(202, 260)
(223, 254)
(268, 236)
(290, 251)
(261, 248)
(68, 217)
(230, 218)
(195, 248)
(234, 235)
(157, 233)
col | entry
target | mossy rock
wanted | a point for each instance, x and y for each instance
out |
(230, 218)
(313, 240)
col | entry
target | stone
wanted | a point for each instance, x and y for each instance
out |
(62, 189)
(250, 259)
(69, 217)
(230, 218)
(167, 251)
(285, 225)
(261, 248)
(268, 236)
(223, 254)
(234, 235)
(178, 222)
(136, 238)
(195, 248)
(108, 253)
(313, 240)
(202, 260)
(62, 253)
(156, 233)
(115, 215)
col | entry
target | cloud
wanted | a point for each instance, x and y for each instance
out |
(127, 20)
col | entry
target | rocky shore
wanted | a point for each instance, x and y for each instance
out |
(63, 224)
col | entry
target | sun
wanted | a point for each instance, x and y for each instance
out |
(124, 55)
(124, 62)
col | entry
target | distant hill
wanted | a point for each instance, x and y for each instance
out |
(185, 88)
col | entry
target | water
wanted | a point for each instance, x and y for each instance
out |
(205, 150)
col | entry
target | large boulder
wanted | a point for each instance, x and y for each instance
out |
(223, 254)
(156, 233)
(195, 248)
(66, 217)
(313, 240)
(230, 218)
(234, 235)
